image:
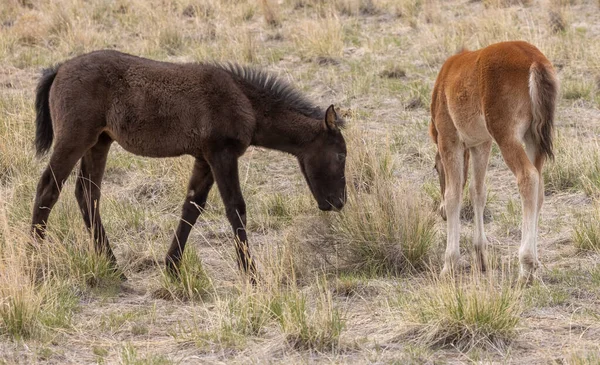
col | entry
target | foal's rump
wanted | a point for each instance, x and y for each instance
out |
(521, 85)
(508, 86)
(151, 108)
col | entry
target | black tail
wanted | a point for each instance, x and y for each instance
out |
(43, 121)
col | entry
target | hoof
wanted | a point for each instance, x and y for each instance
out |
(526, 278)
(446, 273)
(114, 269)
(527, 272)
(442, 210)
(172, 267)
(481, 259)
(524, 281)
(483, 265)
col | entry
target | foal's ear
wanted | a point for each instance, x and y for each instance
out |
(331, 118)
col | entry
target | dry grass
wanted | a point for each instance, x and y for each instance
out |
(325, 294)
(586, 235)
(576, 167)
(480, 312)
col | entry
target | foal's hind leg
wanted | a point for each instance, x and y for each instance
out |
(537, 159)
(453, 156)
(63, 159)
(528, 180)
(480, 156)
(198, 189)
(87, 192)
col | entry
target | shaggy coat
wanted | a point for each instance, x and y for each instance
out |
(159, 109)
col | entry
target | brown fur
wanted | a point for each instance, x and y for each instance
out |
(158, 109)
(505, 93)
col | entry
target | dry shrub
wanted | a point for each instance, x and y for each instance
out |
(480, 312)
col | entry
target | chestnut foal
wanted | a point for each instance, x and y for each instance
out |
(506, 93)
(160, 109)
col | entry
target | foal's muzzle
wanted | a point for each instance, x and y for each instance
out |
(332, 203)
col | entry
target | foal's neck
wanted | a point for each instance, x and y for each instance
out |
(288, 132)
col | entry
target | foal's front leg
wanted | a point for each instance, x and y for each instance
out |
(198, 189)
(225, 170)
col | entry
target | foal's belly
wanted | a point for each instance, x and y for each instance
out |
(151, 145)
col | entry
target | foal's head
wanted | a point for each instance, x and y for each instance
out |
(323, 164)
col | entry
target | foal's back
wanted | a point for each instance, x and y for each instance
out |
(485, 93)
(151, 108)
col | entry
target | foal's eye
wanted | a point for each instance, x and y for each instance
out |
(341, 157)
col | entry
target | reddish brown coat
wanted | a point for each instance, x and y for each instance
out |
(505, 93)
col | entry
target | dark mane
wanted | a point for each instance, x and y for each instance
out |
(280, 90)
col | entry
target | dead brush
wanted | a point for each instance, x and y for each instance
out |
(479, 312)
(385, 232)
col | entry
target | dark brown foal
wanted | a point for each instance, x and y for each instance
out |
(159, 109)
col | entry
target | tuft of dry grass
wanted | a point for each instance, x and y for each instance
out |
(575, 167)
(30, 307)
(385, 232)
(480, 312)
(312, 326)
(586, 233)
(191, 283)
